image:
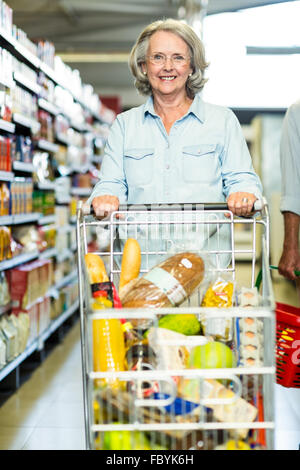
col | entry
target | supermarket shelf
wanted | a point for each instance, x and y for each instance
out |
(55, 324)
(67, 254)
(66, 280)
(6, 220)
(27, 122)
(7, 126)
(46, 185)
(6, 176)
(19, 218)
(30, 85)
(17, 260)
(37, 343)
(25, 218)
(7, 82)
(47, 219)
(81, 191)
(47, 106)
(23, 166)
(43, 144)
(49, 253)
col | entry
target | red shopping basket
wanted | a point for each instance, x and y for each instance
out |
(287, 345)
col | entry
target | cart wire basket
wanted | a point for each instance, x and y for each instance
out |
(167, 401)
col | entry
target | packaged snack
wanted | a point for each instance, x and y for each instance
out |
(219, 294)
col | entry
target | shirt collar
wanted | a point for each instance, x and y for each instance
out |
(197, 107)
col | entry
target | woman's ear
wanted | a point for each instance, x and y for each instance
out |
(144, 69)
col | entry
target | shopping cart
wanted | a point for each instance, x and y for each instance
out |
(167, 407)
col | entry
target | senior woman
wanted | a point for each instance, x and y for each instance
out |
(175, 148)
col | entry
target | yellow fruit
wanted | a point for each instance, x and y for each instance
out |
(236, 445)
(212, 355)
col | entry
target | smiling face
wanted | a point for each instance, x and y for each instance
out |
(168, 78)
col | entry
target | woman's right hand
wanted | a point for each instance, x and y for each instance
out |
(105, 205)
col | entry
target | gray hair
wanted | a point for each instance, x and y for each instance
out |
(198, 63)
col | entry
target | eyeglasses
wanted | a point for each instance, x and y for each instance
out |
(161, 59)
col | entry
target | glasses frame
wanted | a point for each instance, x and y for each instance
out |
(186, 60)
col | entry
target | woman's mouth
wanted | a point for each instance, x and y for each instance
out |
(167, 78)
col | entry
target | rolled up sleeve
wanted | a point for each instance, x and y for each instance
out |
(237, 170)
(112, 178)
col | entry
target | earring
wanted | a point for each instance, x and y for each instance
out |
(145, 73)
(190, 74)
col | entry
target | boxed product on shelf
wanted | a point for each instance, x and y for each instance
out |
(44, 316)
(2, 350)
(5, 246)
(23, 39)
(62, 215)
(10, 333)
(24, 103)
(57, 305)
(6, 17)
(47, 127)
(6, 153)
(47, 235)
(46, 52)
(21, 196)
(24, 70)
(30, 282)
(4, 290)
(47, 87)
(23, 149)
(70, 294)
(21, 322)
(6, 66)
(6, 104)
(4, 199)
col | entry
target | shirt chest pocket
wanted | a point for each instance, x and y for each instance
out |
(200, 163)
(139, 165)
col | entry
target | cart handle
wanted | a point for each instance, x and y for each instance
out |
(259, 276)
(214, 206)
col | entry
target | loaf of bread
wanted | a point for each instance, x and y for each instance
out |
(131, 263)
(168, 284)
(95, 268)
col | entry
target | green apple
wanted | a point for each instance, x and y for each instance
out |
(212, 355)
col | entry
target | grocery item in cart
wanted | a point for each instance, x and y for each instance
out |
(131, 264)
(219, 294)
(108, 346)
(168, 284)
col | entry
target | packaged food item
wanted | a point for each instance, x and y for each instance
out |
(234, 409)
(251, 330)
(140, 356)
(219, 294)
(131, 263)
(168, 284)
(108, 344)
(108, 336)
(169, 347)
(2, 349)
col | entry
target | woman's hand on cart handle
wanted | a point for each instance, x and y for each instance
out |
(102, 206)
(242, 204)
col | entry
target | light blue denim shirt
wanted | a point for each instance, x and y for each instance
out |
(203, 159)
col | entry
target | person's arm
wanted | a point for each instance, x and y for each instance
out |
(290, 257)
(240, 182)
(111, 189)
(290, 192)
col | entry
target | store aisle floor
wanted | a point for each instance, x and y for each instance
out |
(46, 413)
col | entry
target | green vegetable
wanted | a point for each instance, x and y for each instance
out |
(186, 324)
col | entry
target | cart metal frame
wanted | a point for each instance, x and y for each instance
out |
(163, 216)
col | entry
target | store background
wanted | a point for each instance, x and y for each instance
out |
(254, 51)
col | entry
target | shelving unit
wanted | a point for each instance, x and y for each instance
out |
(88, 129)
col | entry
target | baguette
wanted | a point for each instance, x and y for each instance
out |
(96, 268)
(131, 262)
(168, 284)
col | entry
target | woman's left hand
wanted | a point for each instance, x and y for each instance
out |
(241, 203)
